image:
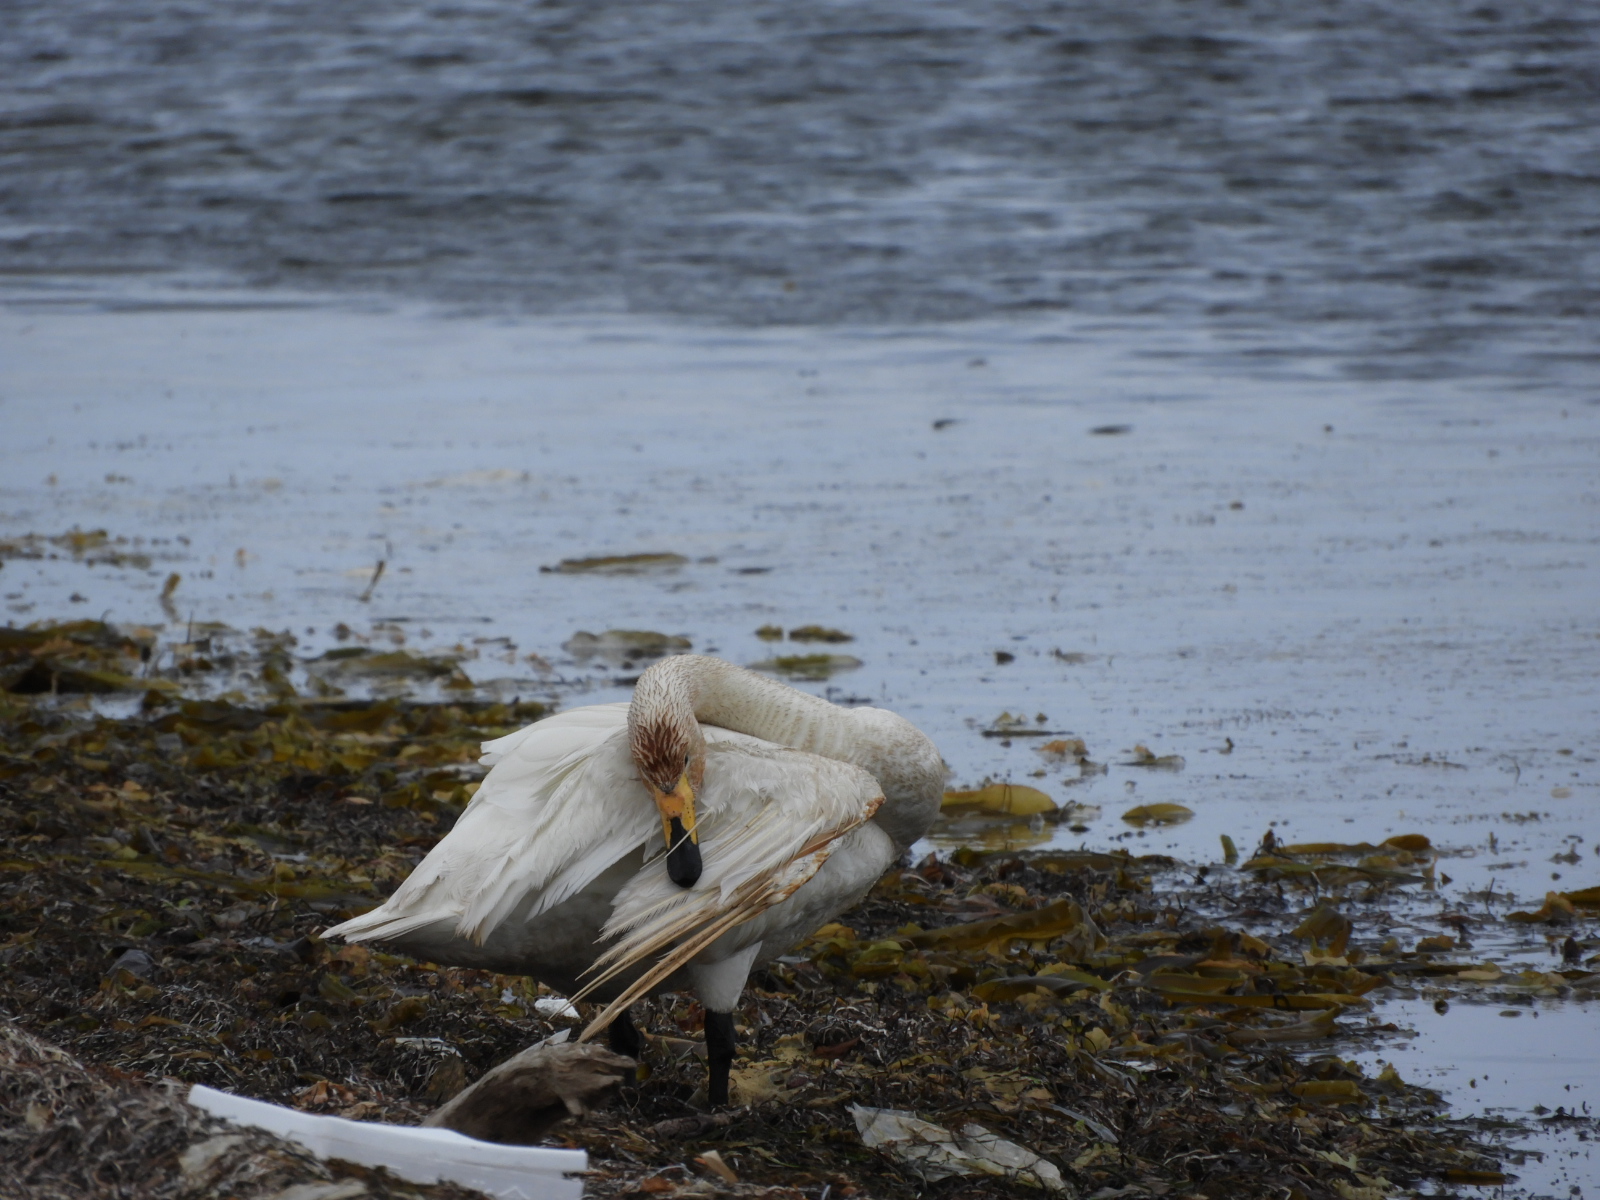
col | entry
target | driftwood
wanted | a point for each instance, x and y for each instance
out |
(523, 1098)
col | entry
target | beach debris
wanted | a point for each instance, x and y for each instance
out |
(1059, 919)
(1111, 430)
(207, 658)
(624, 645)
(1065, 750)
(1412, 843)
(168, 590)
(819, 633)
(372, 584)
(1558, 908)
(92, 547)
(712, 1161)
(1006, 799)
(933, 1152)
(555, 1006)
(523, 1098)
(73, 1132)
(1319, 864)
(1143, 756)
(386, 668)
(807, 666)
(418, 1154)
(1158, 814)
(618, 564)
(974, 829)
(75, 657)
(677, 1128)
(1007, 726)
(1328, 930)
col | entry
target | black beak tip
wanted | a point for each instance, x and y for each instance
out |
(683, 860)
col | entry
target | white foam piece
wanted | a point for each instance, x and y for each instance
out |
(412, 1152)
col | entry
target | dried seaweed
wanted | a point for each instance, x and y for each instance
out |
(807, 666)
(69, 1133)
(1139, 1024)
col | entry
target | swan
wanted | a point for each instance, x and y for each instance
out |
(669, 843)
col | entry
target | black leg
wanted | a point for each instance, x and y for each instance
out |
(623, 1037)
(719, 1055)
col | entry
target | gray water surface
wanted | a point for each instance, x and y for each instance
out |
(1412, 188)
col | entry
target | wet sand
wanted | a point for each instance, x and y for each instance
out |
(1354, 608)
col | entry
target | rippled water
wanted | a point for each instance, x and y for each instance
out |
(1411, 187)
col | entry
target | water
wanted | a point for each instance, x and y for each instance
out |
(1393, 631)
(1409, 189)
(1355, 609)
(711, 274)
(1502, 1064)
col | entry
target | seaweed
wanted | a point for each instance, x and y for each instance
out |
(1142, 1026)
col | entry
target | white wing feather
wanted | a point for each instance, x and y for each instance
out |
(563, 801)
(780, 814)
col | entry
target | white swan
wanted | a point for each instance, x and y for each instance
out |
(776, 809)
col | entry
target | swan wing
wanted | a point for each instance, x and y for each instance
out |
(562, 802)
(772, 817)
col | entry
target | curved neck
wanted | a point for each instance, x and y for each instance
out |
(718, 693)
(673, 697)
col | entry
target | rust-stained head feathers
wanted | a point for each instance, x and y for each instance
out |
(663, 734)
(669, 749)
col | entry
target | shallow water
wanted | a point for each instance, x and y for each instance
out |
(1380, 596)
(1535, 1064)
(1354, 609)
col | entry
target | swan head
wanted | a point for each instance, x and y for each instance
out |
(669, 750)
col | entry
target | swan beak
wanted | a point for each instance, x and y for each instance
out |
(678, 828)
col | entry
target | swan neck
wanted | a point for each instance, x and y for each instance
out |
(674, 697)
(718, 693)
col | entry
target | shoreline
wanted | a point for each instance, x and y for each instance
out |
(1390, 635)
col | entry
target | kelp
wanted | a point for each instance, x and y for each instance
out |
(618, 564)
(75, 657)
(1005, 799)
(624, 645)
(74, 1133)
(1136, 1025)
(1158, 814)
(819, 633)
(815, 667)
(1143, 756)
(92, 547)
(1560, 907)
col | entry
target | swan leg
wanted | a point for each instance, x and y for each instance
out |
(623, 1037)
(720, 1045)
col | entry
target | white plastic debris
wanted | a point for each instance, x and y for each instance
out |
(935, 1153)
(556, 1008)
(410, 1152)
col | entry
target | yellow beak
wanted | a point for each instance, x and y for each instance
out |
(677, 804)
(678, 830)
